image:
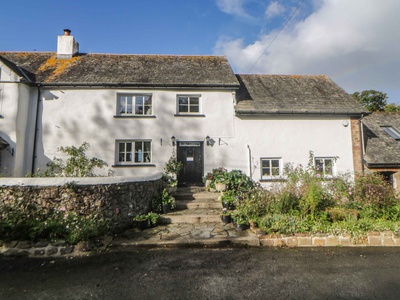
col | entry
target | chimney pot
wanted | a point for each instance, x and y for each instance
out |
(67, 32)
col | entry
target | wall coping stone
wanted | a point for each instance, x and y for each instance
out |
(80, 181)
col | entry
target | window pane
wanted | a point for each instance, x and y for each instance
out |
(138, 152)
(275, 171)
(122, 106)
(183, 100)
(328, 167)
(147, 105)
(194, 109)
(194, 101)
(121, 157)
(183, 108)
(128, 147)
(265, 163)
(319, 164)
(121, 147)
(275, 163)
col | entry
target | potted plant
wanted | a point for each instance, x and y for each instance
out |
(141, 221)
(226, 216)
(153, 218)
(240, 221)
(220, 182)
(228, 200)
(172, 169)
(208, 179)
(168, 202)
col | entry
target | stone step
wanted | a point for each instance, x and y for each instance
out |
(198, 204)
(190, 219)
(192, 216)
(196, 196)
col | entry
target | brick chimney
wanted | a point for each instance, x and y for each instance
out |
(67, 47)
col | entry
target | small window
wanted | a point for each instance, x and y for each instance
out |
(270, 168)
(134, 152)
(325, 166)
(189, 104)
(134, 105)
(393, 132)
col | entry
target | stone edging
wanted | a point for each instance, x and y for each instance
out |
(47, 249)
(381, 239)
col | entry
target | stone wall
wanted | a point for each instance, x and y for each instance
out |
(116, 199)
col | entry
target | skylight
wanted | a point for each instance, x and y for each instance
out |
(393, 132)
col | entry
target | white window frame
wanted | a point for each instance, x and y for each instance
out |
(130, 155)
(123, 109)
(271, 168)
(323, 171)
(189, 97)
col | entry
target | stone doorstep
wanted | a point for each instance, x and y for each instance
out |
(197, 204)
(190, 218)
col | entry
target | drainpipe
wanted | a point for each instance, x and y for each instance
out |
(36, 131)
(251, 171)
(362, 144)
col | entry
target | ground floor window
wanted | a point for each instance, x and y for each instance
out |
(271, 168)
(134, 152)
(325, 166)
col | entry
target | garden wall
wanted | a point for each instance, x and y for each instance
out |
(116, 199)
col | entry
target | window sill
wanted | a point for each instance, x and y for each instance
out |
(133, 165)
(190, 115)
(135, 117)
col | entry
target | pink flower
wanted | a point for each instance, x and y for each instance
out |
(318, 175)
(62, 208)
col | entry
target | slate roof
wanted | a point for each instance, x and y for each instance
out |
(380, 148)
(115, 69)
(293, 94)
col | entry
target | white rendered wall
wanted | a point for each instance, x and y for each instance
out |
(291, 138)
(17, 110)
(73, 116)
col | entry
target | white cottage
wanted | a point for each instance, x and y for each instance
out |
(137, 110)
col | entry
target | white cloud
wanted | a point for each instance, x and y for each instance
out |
(274, 9)
(232, 7)
(356, 43)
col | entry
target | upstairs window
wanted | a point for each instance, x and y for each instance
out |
(325, 166)
(270, 168)
(134, 152)
(135, 105)
(393, 132)
(188, 104)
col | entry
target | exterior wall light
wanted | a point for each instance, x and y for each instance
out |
(173, 140)
(209, 141)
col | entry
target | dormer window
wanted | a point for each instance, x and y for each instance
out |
(393, 132)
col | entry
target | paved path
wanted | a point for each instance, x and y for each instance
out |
(196, 221)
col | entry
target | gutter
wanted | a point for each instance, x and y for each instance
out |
(292, 112)
(361, 127)
(382, 165)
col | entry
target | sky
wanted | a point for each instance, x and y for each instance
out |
(354, 42)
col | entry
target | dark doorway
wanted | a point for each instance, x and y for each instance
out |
(191, 156)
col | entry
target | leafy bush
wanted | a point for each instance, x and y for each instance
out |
(76, 165)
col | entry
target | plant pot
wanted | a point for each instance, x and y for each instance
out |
(208, 182)
(226, 219)
(242, 227)
(142, 224)
(220, 187)
(229, 206)
(166, 208)
(172, 189)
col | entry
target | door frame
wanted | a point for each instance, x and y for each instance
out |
(199, 175)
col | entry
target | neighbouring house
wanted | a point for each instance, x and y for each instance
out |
(136, 111)
(381, 148)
